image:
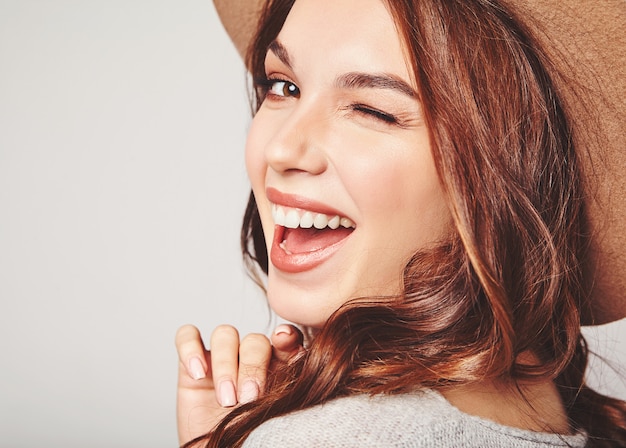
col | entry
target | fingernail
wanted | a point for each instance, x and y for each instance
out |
(227, 394)
(249, 391)
(283, 329)
(196, 368)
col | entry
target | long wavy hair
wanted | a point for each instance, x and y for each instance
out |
(512, 277)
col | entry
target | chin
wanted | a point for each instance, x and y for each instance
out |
(304, 308)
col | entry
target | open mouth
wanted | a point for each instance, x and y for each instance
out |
(305, 231)
(304, 239)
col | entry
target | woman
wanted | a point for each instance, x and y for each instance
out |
(418, 208)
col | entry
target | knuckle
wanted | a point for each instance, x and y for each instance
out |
(256, 340)
(224, 345)
(255, 346)
(186, 333)
(225, 331)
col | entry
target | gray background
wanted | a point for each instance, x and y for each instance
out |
(122, 184)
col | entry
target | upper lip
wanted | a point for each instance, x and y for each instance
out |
(301, 202)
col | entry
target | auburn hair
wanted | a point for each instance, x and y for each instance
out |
(511, 278)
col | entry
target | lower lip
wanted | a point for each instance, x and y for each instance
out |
(294, 263)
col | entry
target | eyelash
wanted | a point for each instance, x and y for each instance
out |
(375, 113)
(265, 86)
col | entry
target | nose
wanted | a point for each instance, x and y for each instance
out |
(298, 144)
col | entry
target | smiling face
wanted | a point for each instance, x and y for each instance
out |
(339, 160)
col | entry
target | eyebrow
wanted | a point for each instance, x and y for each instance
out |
(353, 80)
(281, 53)
(358, 80)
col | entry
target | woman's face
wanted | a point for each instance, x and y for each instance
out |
(340, 144)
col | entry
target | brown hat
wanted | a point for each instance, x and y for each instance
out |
(589, 38)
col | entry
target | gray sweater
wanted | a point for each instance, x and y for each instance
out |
(422, 419)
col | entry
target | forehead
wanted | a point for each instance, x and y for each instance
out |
(344, 35)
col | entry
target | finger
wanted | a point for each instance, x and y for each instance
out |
(191, 352)
(255, 353)
(287, 341)
(197, 408)
(224, 363)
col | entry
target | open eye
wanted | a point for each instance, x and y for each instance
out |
(279, 88)
(284, 88)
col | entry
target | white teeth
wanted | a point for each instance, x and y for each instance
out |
(279, 215)
(306, 222)
(283, 246)
(293, 218)
(320, 221)
(345, 222)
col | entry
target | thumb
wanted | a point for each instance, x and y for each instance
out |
(287, 342)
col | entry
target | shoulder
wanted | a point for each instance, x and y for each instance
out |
(358, 420)
(420, 419)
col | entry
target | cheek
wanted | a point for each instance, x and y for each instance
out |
(256, 167)
(254, 154)
(397, 178)
(399, 196)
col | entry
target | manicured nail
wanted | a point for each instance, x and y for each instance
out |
(249, 391)
(227, 394)
(196, 368)
(283, 329)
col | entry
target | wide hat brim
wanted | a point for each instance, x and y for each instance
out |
(587, 39)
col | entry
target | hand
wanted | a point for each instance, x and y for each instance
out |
(232, 372)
